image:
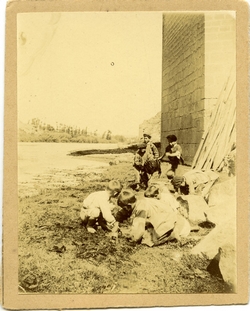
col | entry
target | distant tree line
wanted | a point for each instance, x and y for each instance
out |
(43, 132)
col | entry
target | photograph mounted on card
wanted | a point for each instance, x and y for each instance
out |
(122, 125)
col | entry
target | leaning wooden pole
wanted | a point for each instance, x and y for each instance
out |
(217, 139)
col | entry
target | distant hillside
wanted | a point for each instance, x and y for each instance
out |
(29, 128)
(28, 132)
(152, 126)
(38, 131)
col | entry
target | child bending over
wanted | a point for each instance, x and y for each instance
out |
(98, 206)
(154, 223)
(195, 182)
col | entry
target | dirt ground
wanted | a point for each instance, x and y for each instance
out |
(58, 255)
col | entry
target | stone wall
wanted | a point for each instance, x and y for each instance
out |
(220, 56)
(183, 80)
(152, 126)
(198, 55)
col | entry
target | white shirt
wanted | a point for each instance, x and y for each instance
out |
(100, 200)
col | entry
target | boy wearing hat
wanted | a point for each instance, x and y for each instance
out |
(152, 163)
(151, 150)
(98, 206)
(173, 153)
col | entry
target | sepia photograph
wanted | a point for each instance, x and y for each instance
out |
(126, 153)
(130, 114)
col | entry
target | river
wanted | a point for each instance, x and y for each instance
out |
(41, 158)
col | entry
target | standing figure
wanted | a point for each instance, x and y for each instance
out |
(139, 161)
(173, 153)
(98, 206)
(152, 164)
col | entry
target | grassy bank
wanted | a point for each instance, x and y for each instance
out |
(58, 255)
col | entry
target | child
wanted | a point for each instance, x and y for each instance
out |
(152, 164)
(173, 153)
(152, 221)
(139, 160)
(170, 175)
(163, 194)
(195, 182)
(98, 207)
(151, 148)
(178, 206)
(126, 202)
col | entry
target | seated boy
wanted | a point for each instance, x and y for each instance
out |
(173, 153)
(97, 207)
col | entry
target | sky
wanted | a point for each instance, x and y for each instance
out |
(100, 70)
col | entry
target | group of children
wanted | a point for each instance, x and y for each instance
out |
(155, 218)
(159, 216)
(147, 161)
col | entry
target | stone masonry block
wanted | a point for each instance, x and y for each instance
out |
(199, 123)
(178, 123)
(212, 23)
(182, 135)
(186, 147)
(219, 16)
(183, 64)
(226, 28)
(198, 136)
(213, 29)
(192, 136)
(226, 35)
(211, 37)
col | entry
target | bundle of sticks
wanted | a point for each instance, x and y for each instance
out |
(220, 136)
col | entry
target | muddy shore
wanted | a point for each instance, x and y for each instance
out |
(56, 253)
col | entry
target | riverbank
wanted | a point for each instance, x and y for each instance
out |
(120, 150)
(91, 170)
(50, 231)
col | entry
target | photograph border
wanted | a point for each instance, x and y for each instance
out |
(10, 297)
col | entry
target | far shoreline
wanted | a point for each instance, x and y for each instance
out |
(119, 150)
